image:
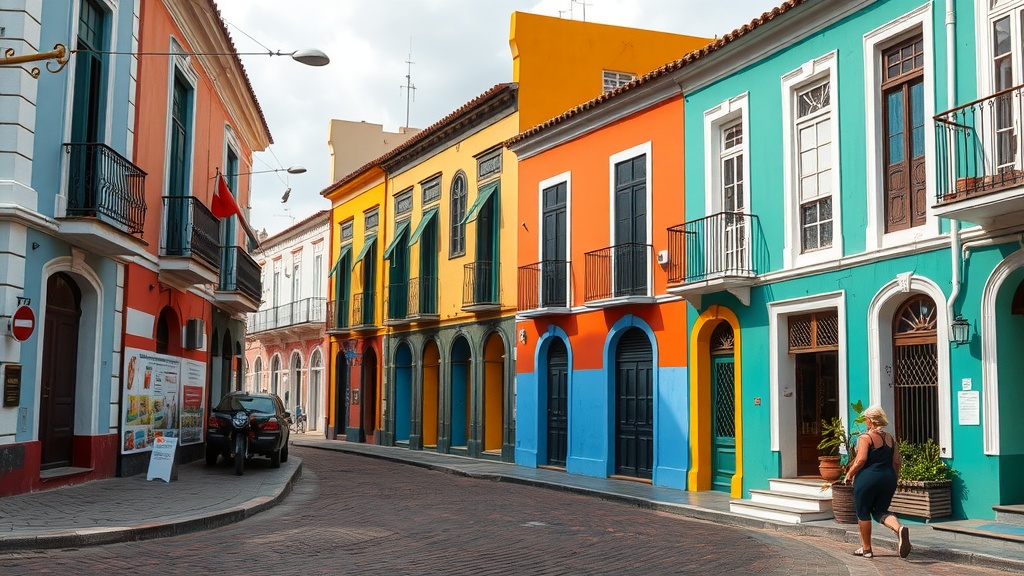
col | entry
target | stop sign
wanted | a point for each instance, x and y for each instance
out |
(23, 323)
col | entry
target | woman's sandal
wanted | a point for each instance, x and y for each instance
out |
(862, 552)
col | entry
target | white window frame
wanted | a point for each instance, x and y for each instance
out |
(565, 177)
(986, 15)
(917, 21)
(806, 76)
(617, 78)
(715, 119)
(619, 157)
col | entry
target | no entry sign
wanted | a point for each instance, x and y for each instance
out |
(23, 323)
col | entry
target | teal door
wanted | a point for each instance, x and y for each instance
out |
(723, 422)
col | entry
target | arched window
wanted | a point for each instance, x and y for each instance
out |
(916, 370)
(275, 373)
(458, 213)
(257, 368)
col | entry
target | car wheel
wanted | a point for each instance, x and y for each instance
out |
(239, 454)
(211, 456)
(284, 453)
(275, 458)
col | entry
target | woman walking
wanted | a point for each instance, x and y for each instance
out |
(874, 472)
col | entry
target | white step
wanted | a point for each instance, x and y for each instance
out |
(1012, 514)
(801, 486)
(792, 500)
(776, 513)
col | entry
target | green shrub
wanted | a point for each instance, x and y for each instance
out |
(922, 463)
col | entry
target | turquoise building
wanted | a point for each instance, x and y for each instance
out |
(853, 197)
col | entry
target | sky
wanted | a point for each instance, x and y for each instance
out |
(459, 49)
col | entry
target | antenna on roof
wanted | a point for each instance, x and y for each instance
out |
(584, 4)
(409, 87)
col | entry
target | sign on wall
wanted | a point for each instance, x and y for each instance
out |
(163, 397)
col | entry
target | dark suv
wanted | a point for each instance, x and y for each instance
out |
(246, 424)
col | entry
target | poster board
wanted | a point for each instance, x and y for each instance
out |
(157, 390)
(161, 460)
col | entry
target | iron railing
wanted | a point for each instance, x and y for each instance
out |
(727, 244)
(617, 271)
(422, 296)
(306, 311)
(363, 309)
(480, 284)
(398, 301)
(190, 230)
(978, 146)
(544, 284)
(105, 185)
(239, 272)
(337, 315)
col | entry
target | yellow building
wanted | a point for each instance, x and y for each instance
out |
(446, 247)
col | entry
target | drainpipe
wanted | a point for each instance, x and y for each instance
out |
(954, 225)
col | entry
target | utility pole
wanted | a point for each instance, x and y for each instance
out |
(584, 4)
(409, 87)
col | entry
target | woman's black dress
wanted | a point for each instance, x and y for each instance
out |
(875, 484)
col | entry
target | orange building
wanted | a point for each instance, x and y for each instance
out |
(601, 346)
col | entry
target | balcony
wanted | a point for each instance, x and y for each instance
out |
(337, 317)
(239, 290)
(397, 306)
(543, 288)
(979, 168)
(718, 253)
(481, 287)
(189, 251)
(363, 312)
(106, 200)
(294, 317)
(618, 275)
(419, 305)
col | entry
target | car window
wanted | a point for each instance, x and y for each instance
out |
(251, 403)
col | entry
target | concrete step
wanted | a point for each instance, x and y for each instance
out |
(800, 486)
(776, 513)
(793, 500)
(1010, 514)
(983, 531)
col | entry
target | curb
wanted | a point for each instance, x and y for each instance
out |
(936, 553)
(186, 525)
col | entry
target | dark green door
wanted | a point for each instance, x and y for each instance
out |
(634, 406)
(629, 254)
(398, 289)
(486, 251)
(723, 422)
(428, 269)
(558, 403)
(553, 250)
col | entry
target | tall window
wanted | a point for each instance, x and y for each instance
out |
(87, 117)
(814, 143)
(903, 126)
(732, 168)
(915, 371)
(458, 214)
(1006, 24)
(181, 122)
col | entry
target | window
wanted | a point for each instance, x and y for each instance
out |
(612, 80)
(1005, 25)
(489, 164)
(727, 195)
(371, 219)
(403, 202)
(903, 130)
(915, 371)
(457, 246)
(732, 168)
(87, 118)
(181, 138)
(431, 189)
(814, 174)
(346, 230)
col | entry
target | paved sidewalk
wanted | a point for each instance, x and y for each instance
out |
(126, 509)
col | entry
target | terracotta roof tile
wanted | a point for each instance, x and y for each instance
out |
(687, 59)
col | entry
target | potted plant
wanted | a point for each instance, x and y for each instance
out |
(925, 485)
(835, 437)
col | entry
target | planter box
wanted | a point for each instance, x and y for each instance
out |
(923, 499)
(843, 508)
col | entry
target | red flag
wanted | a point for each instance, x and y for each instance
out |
(224, 206)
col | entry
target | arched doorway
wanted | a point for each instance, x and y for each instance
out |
(558, 402)
(915, 371)
(723, 409)
(431, 385)
(460, 397)
(168, 333)
(293, 397)
(316, 376)
(494, 393)
(369, 406)
(634, 405)
(59, 371)
(342, 381)
(403, 392)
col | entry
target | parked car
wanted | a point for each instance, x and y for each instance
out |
(246, 424)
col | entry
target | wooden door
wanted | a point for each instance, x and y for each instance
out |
(558, 403)
(630, 251)
(553, 251)
(634, 407)
(59, 375)
(817, 392)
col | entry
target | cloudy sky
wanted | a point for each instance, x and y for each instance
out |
(459, 49)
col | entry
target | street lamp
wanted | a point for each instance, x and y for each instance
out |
(297, 169)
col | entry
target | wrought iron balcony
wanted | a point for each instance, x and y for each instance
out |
(422, 303)
(721, 252)
(239, 275)
(618, 274)
(337, 316)
(543, 287)
(398, 302)
(979, 164)
(190, 233)
(363, 310)
(481, 287)
(296, 314)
